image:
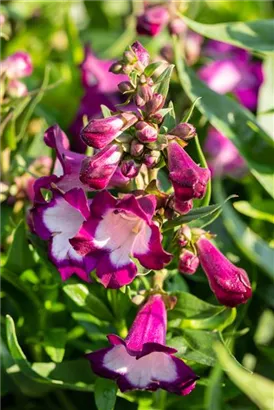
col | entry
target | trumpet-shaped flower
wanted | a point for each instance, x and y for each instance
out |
(143, 361)
(59, 220)
(117, 231)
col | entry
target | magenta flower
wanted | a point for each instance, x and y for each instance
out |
(232, 71)
(188, 179)
(68, 165)
(59, 220)
(224, 158)
(17, 65)
(100, 87)
(100, 132)
(116, 231)
(188, 262)
(229, 283)
(153, 21)
(143, 361)
(130, 168)
(97, 171)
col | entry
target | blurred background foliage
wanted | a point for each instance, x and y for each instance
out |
(55, 323)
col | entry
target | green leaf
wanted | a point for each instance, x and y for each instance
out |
(197, 213)
(149, 70)
(54, 343)
(20, 257)
(252, 246)
(105, 111)
(162, 82)
(265, 101)
(40, 372)
(85, 298)
(169, 120)
(232, 120)
(262, 209)
(105, 394)
(256, 35)
(190, 111)
(196, 345)
(191, 312)
(257, 388)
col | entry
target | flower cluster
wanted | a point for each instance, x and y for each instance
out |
(13, 68)
(104, 213)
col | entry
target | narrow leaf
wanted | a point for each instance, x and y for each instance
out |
(105, 394)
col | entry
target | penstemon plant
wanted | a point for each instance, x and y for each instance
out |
(106, 214)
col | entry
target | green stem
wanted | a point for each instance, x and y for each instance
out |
(206, 200)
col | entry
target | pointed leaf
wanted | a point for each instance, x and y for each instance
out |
(105, 394)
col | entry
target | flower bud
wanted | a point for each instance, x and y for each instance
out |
(152, 158)
(155, 103)
(116, 68)
(177, 26)
(100, 132)
(17, 65)
(229, 283)
(152, 21)
(188, 179)
(136, 148)
(184, 235)
(146, 132)
(156, 118)
(141, 53)
(16, 89)
(125, 87)
(182, 207)
(130, 168)
(143, 95)
(167, 53)
(184, 131)
(188, 262)
(96, 171)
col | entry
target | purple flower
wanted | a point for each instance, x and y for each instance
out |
(188, 179)
(100, 87)
(116, 231)
(224, 158)
(59, 220)
(229, 283)
(97, 171)
(100, 132)
(143, 361)
(17, 65)
(68, 165)
(153, 21)
(188, 262)
(233, 71)
(146, 132)
(221, 76)
(181, 206)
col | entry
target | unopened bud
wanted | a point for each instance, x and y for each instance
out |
(144, 94)
(177, 26)
(184, 131)
(156, 118)
(188, 262)
(130, 57)
(152, 158)
(136, 148)
(125, 86)
(146, 132)
(130, 168)
(116, 68)
(155, 103)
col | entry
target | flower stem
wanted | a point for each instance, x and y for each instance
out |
(206, 200)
